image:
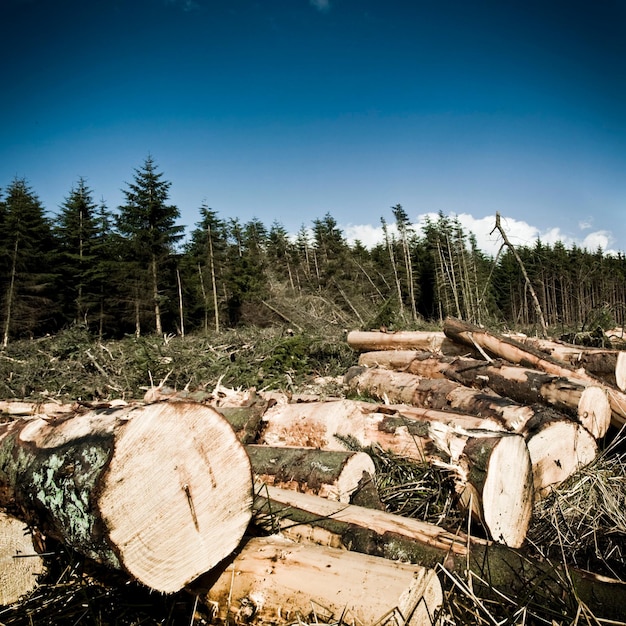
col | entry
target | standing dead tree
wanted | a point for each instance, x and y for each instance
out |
(507, 242)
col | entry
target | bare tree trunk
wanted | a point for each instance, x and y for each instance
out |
(155, 296)
(528, 357)
(332, 474)
(264, 585)
(581, 399)
(496, 569)
(10, 295)
(538, 311)
(213, 281)
(180, 304)
(205, 300)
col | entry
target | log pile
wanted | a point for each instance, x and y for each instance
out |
(264, 505)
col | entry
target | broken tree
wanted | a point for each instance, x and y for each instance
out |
(163, 492)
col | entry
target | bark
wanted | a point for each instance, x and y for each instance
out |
(264, 585)
(439, 394)
(163, 492)
(335, 475)
(495, 569)
(586, 401)
(20, 564)
(406, 340)
(517, 353)
(608, 364)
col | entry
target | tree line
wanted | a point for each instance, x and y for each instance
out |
(128, 270)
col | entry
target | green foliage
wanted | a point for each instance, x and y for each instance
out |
(26, 279)
(77, 234)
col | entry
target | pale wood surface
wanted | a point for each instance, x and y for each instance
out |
(20, 565)
(275, 580)
(162, 491)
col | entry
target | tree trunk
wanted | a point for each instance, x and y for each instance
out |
(406, 340)
(584, 400)
(155, 296)
(275, 580)
(496, 569)
(20, 564)
(10, 295)
(439, 394)
(524, 355)
(331, 474)
(529, 284)
(163, 492)
(605, 363)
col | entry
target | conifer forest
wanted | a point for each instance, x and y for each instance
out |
(135, 269)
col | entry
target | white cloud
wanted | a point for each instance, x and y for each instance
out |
(600, 239)
(585, 224)
(321, 5)
(367, 234)
(518, 232)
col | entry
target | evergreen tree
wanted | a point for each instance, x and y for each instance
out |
(203, 265)
(27, 245)
(148, 223)
(76, 231)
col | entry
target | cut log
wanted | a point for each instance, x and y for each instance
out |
(21, 408)
(435, 341)
(517, 353)
(314, 425)
(163, 492)
(561, 447)
(498, 484)
(602, 362)
(440, 394)
(587, 401)
(558, 448)
(502, 570)
(275, 580)
(332, 474)
(311, 518)
(503, 457)
(20, 564)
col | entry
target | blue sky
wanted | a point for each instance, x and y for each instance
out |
(288, 109)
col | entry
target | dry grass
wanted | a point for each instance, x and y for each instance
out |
(584, 519)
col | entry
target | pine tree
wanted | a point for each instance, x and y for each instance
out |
(148, 223)
(27, 245)
(203, 264)
(77, 231)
